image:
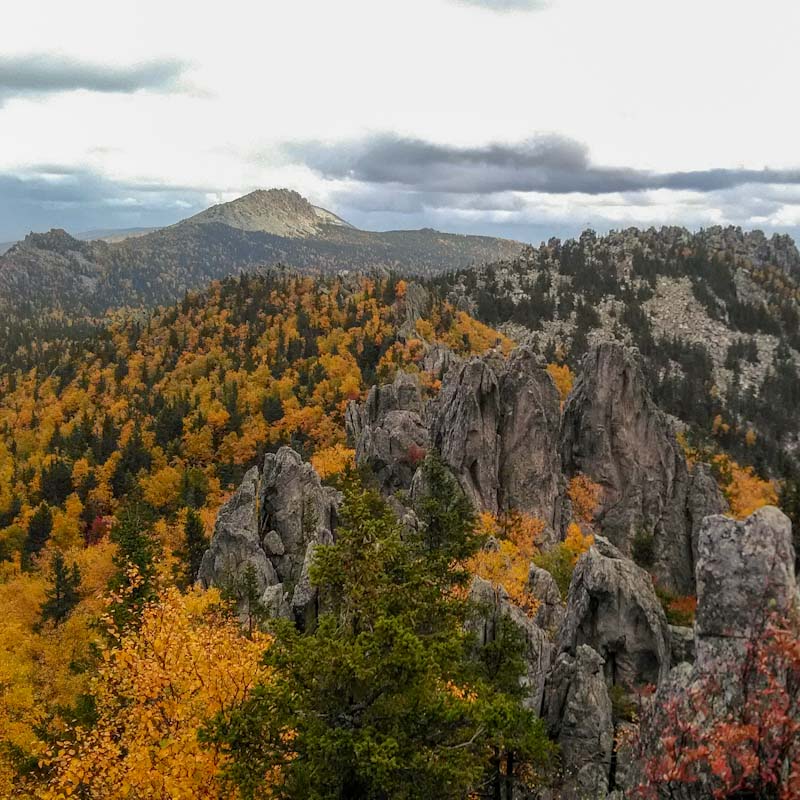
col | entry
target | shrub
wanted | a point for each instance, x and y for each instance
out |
(643, 549)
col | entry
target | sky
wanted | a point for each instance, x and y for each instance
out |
(520, 118)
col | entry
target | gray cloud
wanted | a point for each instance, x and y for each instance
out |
(38, 74)
(550, 164)
(53, 196)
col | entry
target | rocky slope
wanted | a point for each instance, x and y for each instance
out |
(716, 315)
(265, 228)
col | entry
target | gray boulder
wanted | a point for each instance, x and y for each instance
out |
(388, 433)
(613, 432)
(613, 608)
(578, 713)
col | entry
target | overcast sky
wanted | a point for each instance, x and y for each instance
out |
(524, 118)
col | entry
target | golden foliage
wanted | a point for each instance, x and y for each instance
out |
(187, 661)
(585, 496)
(333, 460)
(507, 563)
(745, 491)
(563, 377)
(576, 541)
(40, 665)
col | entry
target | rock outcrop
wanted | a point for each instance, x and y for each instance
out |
(745, 572)
(295, 509)
(465, 430)
(704, 499)
(578, 713)
(235, 544)
(613, 432)
(496, 424)
(613, 608)
(550, 611)
(388, 432)
(530, 477)
(269, 529)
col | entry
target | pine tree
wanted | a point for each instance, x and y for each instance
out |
(62, 595)
(39, 530)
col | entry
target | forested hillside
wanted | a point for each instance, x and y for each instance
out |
(418, 491)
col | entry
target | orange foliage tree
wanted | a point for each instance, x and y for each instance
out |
(187, 661)
(506, 561)
(585, 496)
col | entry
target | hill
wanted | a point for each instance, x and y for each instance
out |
(54, 271)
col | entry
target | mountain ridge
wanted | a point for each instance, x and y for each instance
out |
(55, 271)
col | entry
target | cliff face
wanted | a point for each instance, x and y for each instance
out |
(614, 433)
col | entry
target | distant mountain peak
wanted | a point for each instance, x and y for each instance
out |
(282, 212)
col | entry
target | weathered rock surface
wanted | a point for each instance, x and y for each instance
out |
(530, 477)
(613, 608)
(493, 606)
(613, 432)
(415, 304)
(578, 713)
(541, 585)
(465, 430)
(235, 544)
(496, 424)
(270, 527)
(388, 432)
(295, 505)
(704, 499)
(439, 360)
(681, 644)
(745, 571)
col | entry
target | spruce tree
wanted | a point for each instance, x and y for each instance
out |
(194, 546)
(133, 580)
(39, 530)
(62, 595)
